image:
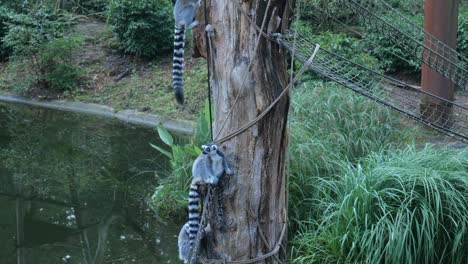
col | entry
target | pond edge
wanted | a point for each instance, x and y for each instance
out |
(130, 116)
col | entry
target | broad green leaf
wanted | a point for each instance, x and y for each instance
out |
(165, 136)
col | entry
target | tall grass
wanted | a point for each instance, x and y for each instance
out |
(402, 206)
(330, 125)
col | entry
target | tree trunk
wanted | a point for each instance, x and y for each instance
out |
(254, 198)
(441, 21)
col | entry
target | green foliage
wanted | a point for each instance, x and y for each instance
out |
(330, 125)
(26, 32)
(41, 55)
(143, 27)
(393, 58)
(202, 131)
(403, 206)
(94, 6)
(320, 13)
(56, 66)
(348, 47)
(5, 18)
(48, 65)
(409, 7)
(16, 5)
(171, 196)
(463, 30)
(339, 43)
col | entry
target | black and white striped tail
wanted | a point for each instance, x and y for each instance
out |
(194, 215)
(178, 63)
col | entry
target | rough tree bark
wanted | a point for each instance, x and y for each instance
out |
(254, 197)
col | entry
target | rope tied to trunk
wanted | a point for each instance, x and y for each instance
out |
(248, 261)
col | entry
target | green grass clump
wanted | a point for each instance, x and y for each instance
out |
(400, 206)
(330, 125)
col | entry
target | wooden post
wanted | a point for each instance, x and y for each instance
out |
(254, 198)
(441, 20)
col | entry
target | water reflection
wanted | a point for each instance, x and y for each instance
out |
(73, 190)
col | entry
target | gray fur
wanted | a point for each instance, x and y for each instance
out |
(184, 242)
(185, 12)
(184, 16)
(210, 165)
(207, 168)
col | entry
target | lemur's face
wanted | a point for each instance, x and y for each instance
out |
(209, 149)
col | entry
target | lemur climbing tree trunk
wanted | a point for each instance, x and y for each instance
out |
(254, 197)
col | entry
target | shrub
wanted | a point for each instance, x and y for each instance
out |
(5, 18)
(403, 206)
(93, 6)
(323, 14)
(16, 5)
(463, 30)
(339, 43)
(49, 66)
(41, 56)
(26, 32)
(410, 7)
(391, 56)
(56, 66)
(143, 27)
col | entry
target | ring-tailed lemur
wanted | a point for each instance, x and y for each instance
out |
(184, 16)
(184, 242)
(207, 168)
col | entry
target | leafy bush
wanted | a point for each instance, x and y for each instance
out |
(5, 18)
(342, 45)
(26, 32)
(463, 30)
(410, 7)
(396, 207)
(143, 27)
(348, 47)
(55, 63)
(49, 66)
(95, 5)
(41, 56)
(392, 58)
(17, 5)
(323, 14)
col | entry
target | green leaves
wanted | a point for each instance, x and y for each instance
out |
(143, 27)
(165, 136)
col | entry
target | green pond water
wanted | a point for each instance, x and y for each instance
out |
(74, 189)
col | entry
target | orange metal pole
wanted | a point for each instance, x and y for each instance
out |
(441, 21)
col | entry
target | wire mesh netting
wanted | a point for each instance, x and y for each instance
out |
(412, 38)
(438, 113)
